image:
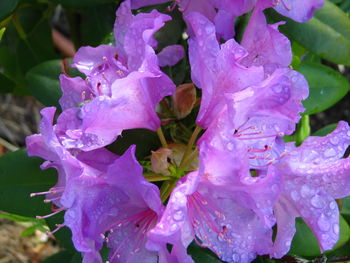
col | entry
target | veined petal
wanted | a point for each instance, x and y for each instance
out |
(74, 91)
(265, 44)
(297, 10)
(170, 55)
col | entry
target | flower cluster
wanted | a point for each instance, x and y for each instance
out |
(247, 181)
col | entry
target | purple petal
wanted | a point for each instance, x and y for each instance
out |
(170, 55)
(297, 10)
(75, 91)
(266, 46)
(134, 34)
(319, 160)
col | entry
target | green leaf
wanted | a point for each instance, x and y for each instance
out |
(82, 3)
(2, 31)
(96, 24)
(145, 141)
(305, 244)
(325, 36)
(6, 85)
(333, 16)
(7, 7)
(202, 255)
(303, 129)
(325, 130)
(26, 43)
(327, 87)
(20, 176)
(62, 256)
(43, 82)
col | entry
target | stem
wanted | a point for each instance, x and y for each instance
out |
(167, 191)
(8, 145)
(158, 178)
(188, 160)
(161, 137)
(189, 146)
(22, 34)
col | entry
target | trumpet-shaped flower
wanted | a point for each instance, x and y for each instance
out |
(221, 208)
(313, 175)
(123, 86)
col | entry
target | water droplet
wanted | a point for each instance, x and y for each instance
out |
(329, 152)
(235, 257)
(336, 228)
(334, 140)
(178, 215)
(305, 191)
(277, 88)
(295, 196)
(209, 29)
(317, 201)
(323, 223)
(274, 188)
(288, 243)
(173, 227)
(332, 205)
(229, 146)
(348, 133)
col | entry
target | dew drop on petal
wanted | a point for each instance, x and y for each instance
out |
(323, 223)
(329, 152)
(178, 215)
(336, 228)
(334, 140)
(235, 257)
(332, 205)
(317, 201)
(305, 191)
(295, 196)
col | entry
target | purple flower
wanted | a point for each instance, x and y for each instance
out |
(221, 12)
(221, 206)
(69, 164)
(300, 11)
(266, 46)
(313, 175)
(123, 86)
(246, 103)
(118, 207)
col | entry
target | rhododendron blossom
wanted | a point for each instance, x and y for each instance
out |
(237, 187)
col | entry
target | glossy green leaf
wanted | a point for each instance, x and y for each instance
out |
(305, 243)
(7, 7)
(145, 141)
(2, 31)
(6, 85)
(202, 255)
(327, 87)
(44, 84)
(325, 130)
(59, 257)
(96, 24)
(19, 52)
(325, 35)
(333, 16)
(20, 176)
(82, 3)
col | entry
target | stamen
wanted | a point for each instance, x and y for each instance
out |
(59, 226)
(52, 214)
(54, 190)
(52, 199)
(285, 6)
(186, 6)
